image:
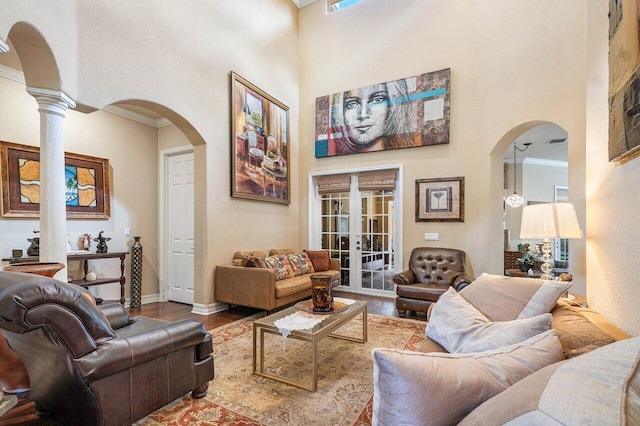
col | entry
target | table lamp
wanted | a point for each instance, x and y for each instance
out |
(550, 220)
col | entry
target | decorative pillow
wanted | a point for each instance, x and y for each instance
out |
(415, 388)
(319, 260)
(301, 264)
(280, 265)
(460, 328)
(598, 388)
(502, 298)
(577, 334)
(253, 262)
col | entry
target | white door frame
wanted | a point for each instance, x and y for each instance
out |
(314, 212)
(163, 264)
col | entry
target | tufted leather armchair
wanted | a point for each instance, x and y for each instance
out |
(96, 366)
(431, 272)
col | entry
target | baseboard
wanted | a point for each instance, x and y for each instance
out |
(200, 309)
(147, 298)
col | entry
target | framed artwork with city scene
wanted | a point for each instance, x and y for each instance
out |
(86, 183)
(404, 113)
(260, 166)
(440, 200)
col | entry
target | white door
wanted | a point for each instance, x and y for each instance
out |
(360, 228)
(179, 207)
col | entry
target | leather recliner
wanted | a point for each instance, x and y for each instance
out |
(96, 366)
(431, 272)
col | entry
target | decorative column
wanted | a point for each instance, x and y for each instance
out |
(53, 212)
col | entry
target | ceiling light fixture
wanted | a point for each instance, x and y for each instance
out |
(515, 200)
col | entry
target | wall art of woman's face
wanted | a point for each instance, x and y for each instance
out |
(365, 113)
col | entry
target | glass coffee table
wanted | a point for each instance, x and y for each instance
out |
(330, 323)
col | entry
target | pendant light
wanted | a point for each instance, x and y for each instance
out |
(515, 200)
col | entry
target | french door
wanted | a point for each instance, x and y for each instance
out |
(358, 224)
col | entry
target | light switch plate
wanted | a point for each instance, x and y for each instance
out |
(431, 236)
(127, 231)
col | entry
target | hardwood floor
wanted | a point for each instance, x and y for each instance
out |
(173, 311)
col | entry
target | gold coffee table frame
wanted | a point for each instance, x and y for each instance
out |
(330, 323)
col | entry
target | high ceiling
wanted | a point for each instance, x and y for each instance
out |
(303, 3)
(538, 136)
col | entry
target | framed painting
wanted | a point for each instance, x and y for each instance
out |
(260, 167)
(404, 113)
(440, 200)
(86, 183)
(624, 119)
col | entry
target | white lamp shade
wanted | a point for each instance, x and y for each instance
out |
(551, 220)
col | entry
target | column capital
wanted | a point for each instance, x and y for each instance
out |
(51, 101)
(4, 47)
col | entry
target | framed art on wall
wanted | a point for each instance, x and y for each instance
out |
(260, 166)
(86, 183)
(440, 200)
(404, 113)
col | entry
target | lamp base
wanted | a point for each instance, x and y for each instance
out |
(546, 257)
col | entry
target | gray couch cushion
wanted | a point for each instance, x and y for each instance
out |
(599, 388)
(412, 388)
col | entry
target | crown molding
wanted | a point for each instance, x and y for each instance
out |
(163, 122)
(4, 47)
(302, 3)
(114, 109)
(12, 74)
(18, 76)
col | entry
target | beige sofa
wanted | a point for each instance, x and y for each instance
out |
(257, 287)
(588, 374)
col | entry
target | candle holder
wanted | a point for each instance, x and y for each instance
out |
(321, 293)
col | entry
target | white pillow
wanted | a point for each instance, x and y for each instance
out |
(459, 327)
(414, 388)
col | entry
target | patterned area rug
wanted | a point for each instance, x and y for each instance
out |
(345, 378)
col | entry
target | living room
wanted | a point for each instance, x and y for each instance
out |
(513, 65)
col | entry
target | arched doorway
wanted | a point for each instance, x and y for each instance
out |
(24, 44)
(540, 169)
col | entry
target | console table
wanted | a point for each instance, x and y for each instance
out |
(85, 257)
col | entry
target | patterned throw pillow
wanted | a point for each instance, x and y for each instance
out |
(301, 264)
(280, 265)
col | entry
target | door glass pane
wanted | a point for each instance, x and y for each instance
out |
(335, 230)
(377, 240)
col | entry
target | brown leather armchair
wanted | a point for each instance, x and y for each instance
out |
(91, 366)
(431, 272)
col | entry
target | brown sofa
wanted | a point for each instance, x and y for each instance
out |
(257, 287)
(96, 366)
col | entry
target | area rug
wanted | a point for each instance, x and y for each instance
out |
(345, 378)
